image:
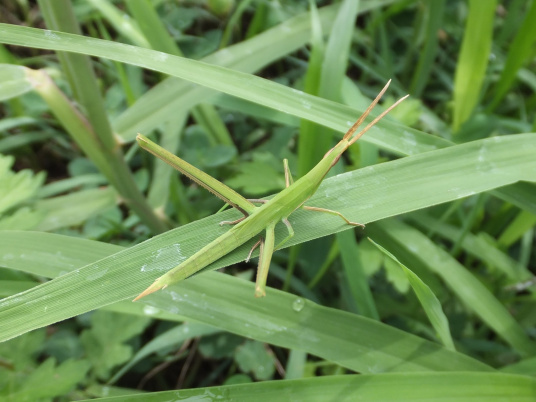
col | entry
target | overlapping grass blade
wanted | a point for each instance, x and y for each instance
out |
(428, 300)
(473, 59)
(430, 387)
(324, 112)
(474, 245)
(475, 296)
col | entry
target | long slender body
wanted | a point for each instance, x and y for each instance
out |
(274, 210)
(256, 218)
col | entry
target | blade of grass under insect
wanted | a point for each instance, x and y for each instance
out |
(219, 300)
(364, 195)
(379, 191)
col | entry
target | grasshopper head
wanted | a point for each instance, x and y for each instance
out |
(349, 138)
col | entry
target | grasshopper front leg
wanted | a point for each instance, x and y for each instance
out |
(265, 256)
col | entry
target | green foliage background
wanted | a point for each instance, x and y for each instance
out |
(440, 305)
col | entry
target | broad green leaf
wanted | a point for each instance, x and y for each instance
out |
(104, 342)
(51, 213)
(16, 187)
(219, 345)
(23, 350)
(13, 81)
(252, 357)
(23, 378)
(49, 380)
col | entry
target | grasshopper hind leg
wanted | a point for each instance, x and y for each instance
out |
(329, 211)
(233, 222)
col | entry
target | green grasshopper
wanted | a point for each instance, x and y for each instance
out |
(256, 218)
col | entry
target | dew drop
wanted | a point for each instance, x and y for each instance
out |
(298, 305)
(150, 310)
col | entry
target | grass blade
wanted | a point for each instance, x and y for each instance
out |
(430, 387)
(214, 299)
(473, 59)
(264, 92)
(429, 301)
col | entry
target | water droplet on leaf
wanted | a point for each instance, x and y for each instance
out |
(298, 305)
